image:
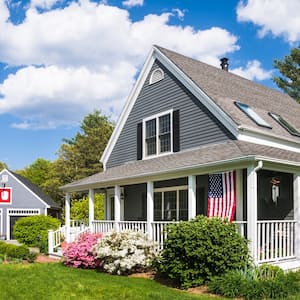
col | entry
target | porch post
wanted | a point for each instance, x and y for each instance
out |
(91, 208)
(297, 213)
(239, 201)
(192, 197)
(108, 206)
(150, 208)
(252, 211)
(67, 216)
(117, 206)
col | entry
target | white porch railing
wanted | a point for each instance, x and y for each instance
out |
(275, 240)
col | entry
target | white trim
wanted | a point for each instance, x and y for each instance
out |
(1, 220)
(151, 80)
(19, 212)
(156, 117)
(27, 188)
(184, 79)
(127, 108)
(150, 207)
(297, 213)
(176, 189)
(191, 197)
(261, 138)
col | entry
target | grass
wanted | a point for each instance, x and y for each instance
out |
(55, 281)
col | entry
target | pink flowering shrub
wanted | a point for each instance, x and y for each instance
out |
(80, 253)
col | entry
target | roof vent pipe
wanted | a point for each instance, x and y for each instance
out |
(224, 63)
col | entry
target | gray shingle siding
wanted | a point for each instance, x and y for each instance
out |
(197, 125)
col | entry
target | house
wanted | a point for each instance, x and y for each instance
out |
(184, 121)
(20, 198)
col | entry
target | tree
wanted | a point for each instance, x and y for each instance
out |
(79, 157)
(289, 68)
(38, 172)
(80, 208)
(3, 165)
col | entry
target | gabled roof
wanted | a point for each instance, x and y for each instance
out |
(34, 189)
(224, 88)
(205, 159)
(218, 90)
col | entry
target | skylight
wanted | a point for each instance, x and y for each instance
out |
(287, 126)
(252, 114)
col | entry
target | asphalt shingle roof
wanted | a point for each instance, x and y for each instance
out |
(36, 190)
(223, 88)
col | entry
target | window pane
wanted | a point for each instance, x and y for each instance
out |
(285, 124)
(252, 114)
(151, 128)
(164, 124)
(165, 142)
(157, 206)
(170, 206)
(183, 205)
(151, 146)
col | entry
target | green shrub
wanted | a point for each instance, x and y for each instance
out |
(31, 257)
(255, 283)
(33, 231)
(3, 247)
(22, 252)
(203, 247)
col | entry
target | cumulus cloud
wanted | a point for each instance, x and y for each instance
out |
(44, 4)
(179, 12)
(131, 3)
(86, 56)
(253, 71)
(280, 18)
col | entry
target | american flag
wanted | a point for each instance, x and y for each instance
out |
(222, 195)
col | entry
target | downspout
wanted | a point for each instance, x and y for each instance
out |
(259, 166)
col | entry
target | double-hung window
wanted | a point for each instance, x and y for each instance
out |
(158, 134)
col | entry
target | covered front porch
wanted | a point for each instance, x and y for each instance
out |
(267, 207)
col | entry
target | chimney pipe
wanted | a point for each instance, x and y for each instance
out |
(224, 63)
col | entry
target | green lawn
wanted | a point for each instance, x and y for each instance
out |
(55, 281)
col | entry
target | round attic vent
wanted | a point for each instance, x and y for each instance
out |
(156, 75)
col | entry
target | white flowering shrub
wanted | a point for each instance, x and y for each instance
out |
(125, 252)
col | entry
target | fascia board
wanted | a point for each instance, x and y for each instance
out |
(261, 138)
(28, 189)
(196, 91)
(128, 107)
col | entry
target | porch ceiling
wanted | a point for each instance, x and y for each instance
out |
(210, 158)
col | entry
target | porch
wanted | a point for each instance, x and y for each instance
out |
(269, 219)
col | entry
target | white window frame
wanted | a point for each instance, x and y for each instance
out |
(170, 189)
(152, 80)
(156, 117)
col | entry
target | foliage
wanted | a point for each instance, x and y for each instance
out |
(256, 283)
(37, 172)
(125, 252)
(289, 67)
(55, 282)
(33, 231)
(80, 208)
(3, 165)
(80, 253)
(203, 247)
(32, 256)
(13, 251)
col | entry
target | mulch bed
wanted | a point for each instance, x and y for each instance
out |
(46, 259)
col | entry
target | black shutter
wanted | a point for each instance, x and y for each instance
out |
(176, 133)
(139, 140)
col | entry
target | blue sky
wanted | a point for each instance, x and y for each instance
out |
(60, 60)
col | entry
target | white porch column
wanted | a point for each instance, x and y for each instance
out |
(117, 206)
(108, 206)
(91, 208)
(150, 208)
(297, 213)
(252, 211)
(239, 200)
(67, 216)
(192, 197)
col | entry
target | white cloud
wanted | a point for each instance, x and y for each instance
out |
(180, 13)
(253, 71)
(44, 4)
(131, 3)
(89, 54)
(278, 17)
